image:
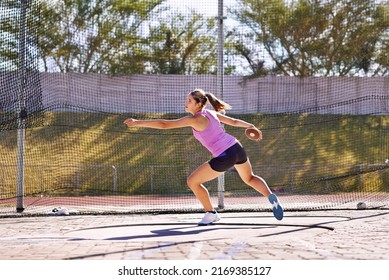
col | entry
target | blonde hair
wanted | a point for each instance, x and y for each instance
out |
(201, 96)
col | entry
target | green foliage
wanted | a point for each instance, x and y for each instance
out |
(308, 38)
(183, 46)
(300, 37)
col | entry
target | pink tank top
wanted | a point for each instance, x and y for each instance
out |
(214, 137)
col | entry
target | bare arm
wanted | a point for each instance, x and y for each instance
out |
(188, 121)
(234, 122)
(238, 123)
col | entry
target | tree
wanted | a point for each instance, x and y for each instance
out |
(9, 30)
(305, 38)
(242, 47)
(116, 37)
(183, 45)
(85, 35)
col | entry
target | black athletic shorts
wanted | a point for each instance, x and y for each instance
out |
(233, 155)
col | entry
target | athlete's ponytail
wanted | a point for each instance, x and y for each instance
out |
(216, 103)
(200, 96)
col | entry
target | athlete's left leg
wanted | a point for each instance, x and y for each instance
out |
(246, 173)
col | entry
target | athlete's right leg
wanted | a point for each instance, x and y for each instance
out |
(202, 174)
(245, 172)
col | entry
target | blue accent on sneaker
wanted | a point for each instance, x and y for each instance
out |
(278, 211)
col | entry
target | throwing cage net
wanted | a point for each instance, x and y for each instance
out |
(72, 71)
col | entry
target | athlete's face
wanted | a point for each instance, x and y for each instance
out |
(191, 105)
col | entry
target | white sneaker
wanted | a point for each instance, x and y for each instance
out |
(209, 218)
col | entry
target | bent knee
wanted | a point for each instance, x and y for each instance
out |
(251, 179)
(190, 181)
(248, 179)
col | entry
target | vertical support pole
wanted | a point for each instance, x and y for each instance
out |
(220, 88)
(21, 132)
(115, 179)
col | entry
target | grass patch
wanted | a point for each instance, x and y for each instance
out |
(95, 154)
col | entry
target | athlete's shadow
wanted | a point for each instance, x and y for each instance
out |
(187, 229)
(180, 231)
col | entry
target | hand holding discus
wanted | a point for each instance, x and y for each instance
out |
(253, 133)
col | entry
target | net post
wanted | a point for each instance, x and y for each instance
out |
(21, 131)
(220, 83)
(115, 179)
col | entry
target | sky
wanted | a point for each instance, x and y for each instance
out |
(205, 7)
(208, 8)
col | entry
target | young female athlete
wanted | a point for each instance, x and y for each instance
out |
(226, 150)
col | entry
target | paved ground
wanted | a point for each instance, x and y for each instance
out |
(319, 235)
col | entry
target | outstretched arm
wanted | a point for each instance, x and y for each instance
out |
(188, 121)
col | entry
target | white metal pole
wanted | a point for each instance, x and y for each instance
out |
(21, 132)
(220, 88)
